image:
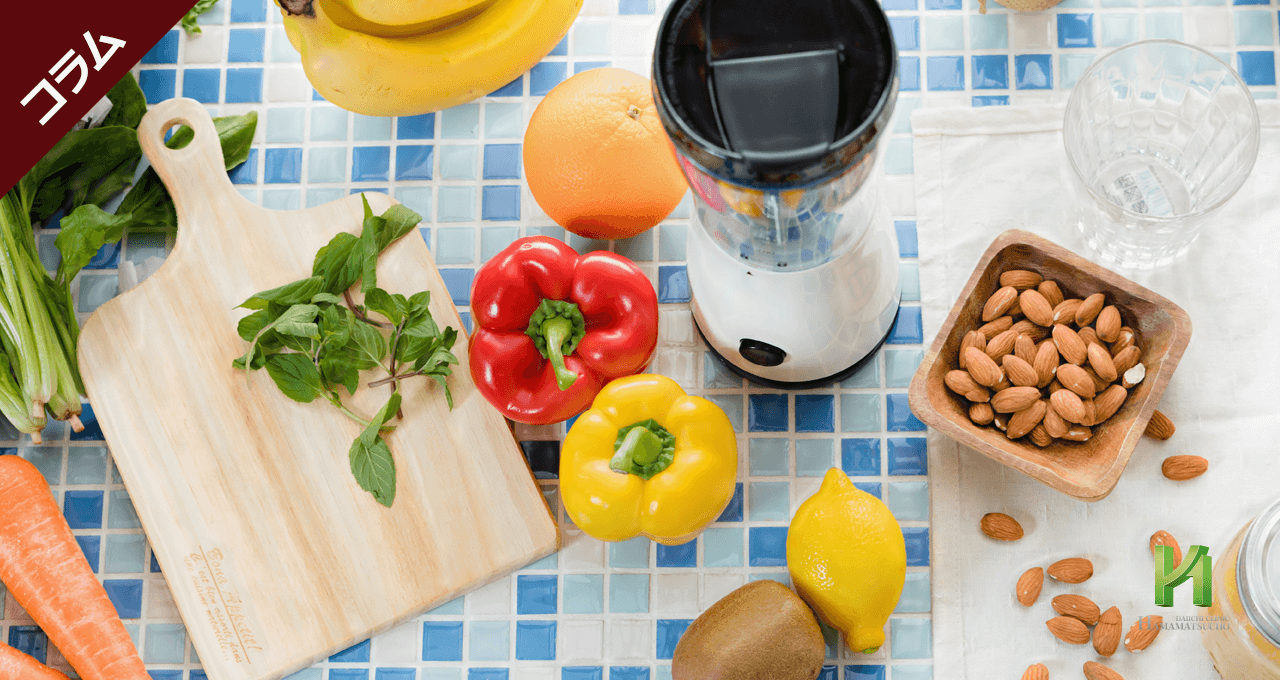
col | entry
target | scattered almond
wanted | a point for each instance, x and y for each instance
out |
(1163, 537)
(999, 304)
(1029, 585)
(1022, 422)
(1070, 346)
(993, 328)
(982, 369)
(1024, 348)
(963, 384)
(1181, 468)
(1160, 426)
(1036, 308)
(1108, 402)
(1077, 607)
(1106, 635)
(1014, 399)
(1068, 405)
(1108, 324)
(1019, 371)
(1001, 345)
(1051, 292)
(1101, 363)
(972, 339)
(1036, 671)
(1068, 629)
(1075, 379)
(1065, 312)
(1142, 633)
(1020, 279)
(1039, 435)
(981, 413)
(1071, 570)
(1000, 526)
(1096, 671)
(1089, 309)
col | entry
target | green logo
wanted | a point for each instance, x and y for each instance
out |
(1197, 565)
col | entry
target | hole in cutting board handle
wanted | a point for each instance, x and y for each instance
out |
(172, 128)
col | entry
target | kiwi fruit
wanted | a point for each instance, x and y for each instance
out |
(761, 631)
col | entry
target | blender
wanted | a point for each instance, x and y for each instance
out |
(777, 112)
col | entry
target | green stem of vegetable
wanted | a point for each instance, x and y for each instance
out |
(395, 340)
(395, 378)
(643, 449)
(360, 315)
(556, 327)
(14, 406)
(337, 403)
(36, 387)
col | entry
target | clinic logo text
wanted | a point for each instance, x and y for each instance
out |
(1196, 566)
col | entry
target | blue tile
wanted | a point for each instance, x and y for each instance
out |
(158, 84)
(283, 166)
(860, 457)
(487, 674)
(107, 257)
(907, 245)
(769, 457)
(907, 329)
(628, 673)
(201, 84)
(669, 633)
(357, 653)
(502, 161)
(163, 52)
(584, 593)
(165, 675)
(628, 593)
(370, 163)
(872, 488)
(864, 672)
(635, 6)
(942, 4)
(489, 641)
(814, 457)
(916, 596)
(29, 640)
(348, 674)
(815, 413)
(248, 11)
(673, 284)
(1075, 30)
(733, 511)
(91, 546)
(911, 639)
(900, 417)
(630, 554)
(1251, 2)
(909, 74)
(514, 88)
(767, 546)
(395, 674)
(906, 32)
(246, 44)
(536, 594)
(546, 75)
(244, 85)
(767, 412)
(535, 640)
(414, 162)
(684, 555)
(126, 595)
(917, 539)
(979, 102)
(991, 72)
(416, 127)
(1258, 68)
(582, 673)
(899, 4)
(946, 73)
(1033, 71)
(908, 456)
(155, 566)
(561, 49)
(458, 281)
(83, 509)
(721, 547)
(500, 203)
(829, 672)
(442, 641)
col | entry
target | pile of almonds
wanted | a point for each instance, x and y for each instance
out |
(1043, 366)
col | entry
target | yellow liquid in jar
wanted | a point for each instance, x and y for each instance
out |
(1242, 652)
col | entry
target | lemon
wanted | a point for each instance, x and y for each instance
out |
(848, 559)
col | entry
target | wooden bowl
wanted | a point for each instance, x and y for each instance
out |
(1086, 470)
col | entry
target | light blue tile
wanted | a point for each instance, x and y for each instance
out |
(285, 125)
(629, 593)
(682, 208)
(458, 161)
(494, 239)
(909, 277)
(371, 129)
(591, 39)
(587, 245)
(86, 465)
(1118, 29)
(489, 640)
(453, 607)
(455, 245)
(124, 554)
(438, 674)
(902, 113)
(327, 164)
(768, 456)
(860, 413)
(503, 120)
(1119, 3)
(457, 204)
(328, 124)
(282, 199)
(944, 32)
(460, 122)
(1077, 4)
(281, 51)
(632, 554)
(95, 290)
(911, 638)
(897, 158)
(731, 404)
(989, 31)
(417, 199)
(921, 671)
(583, 593)
(814, 457)
(548, 562)
(1164, 25)
(716, 376)
(1072, 66)
(770, 501)
(915, 594)
(722, 547)
(321, 196)
(672, 241)
(900, 366)
(638, 248)
(781, 577)
(48, 460)
(1263, 95)
(1163, 3)
(1254, 28)
(165, 643)
(550, 232)
(304, 674)
(909, 500)
(867, 375)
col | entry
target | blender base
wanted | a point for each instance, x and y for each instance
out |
(802, 384)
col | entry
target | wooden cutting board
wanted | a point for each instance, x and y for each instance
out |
(275, 556)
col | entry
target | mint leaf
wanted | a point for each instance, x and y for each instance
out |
(296, 293)
(339, 263)
(296, 375)
(374, 469)
(296, 313)
(302, 329)
(382, 302)
(335, 325)
(251, 325)
(338, 372)
(399, 221)
(379, 419)
(369, 251)
(327, 297)
(368, 342)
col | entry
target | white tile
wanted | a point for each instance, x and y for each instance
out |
(598, 8)
(947, 99)
(580, 641)
(1208, 26)
(532, 211)
(716, 586)
(676, 594)
(675, 327)
(635, 36)
(547, 673)
(1031, 30)
(494, 598)
(640, 65)
(629, 639)
(209, 46)
(287, 84)
(581, 551)
(802, 488)
(398, 645)
(160, 604)
(677, 365)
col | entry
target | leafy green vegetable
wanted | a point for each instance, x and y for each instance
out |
(296, 376)
(295, 293)
(189, 23)
(83, 233)
(374, 469)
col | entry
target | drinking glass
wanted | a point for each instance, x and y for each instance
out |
(1159, 134)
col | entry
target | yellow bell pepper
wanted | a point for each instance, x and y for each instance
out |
(648, 460)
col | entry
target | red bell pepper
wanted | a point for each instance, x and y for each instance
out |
(553, 327)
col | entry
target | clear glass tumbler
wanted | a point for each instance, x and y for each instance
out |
(1159, 134)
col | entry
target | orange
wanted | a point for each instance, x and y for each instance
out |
(597, 159)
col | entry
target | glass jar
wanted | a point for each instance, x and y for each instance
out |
(1246, 592)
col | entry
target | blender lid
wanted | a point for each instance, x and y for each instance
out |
(771, 93)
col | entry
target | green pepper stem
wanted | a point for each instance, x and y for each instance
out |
(555, 330)
(643, 449)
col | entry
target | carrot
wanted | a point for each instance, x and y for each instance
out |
(18, 666)
(44, 569)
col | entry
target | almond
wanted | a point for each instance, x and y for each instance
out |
(1046, 363)
(1071, 570)
(1069, 344)
(1054, 385)
(1133, 376)
(1102, 363)
(1126, 339)
(981, 413)
(1159, 427)
(1014, 399)
(1178, 468)
(1089, 309)
(1142, 633)
(972, 339)
(963, 384)
(1088, 336)
(1068, 405)
(1031, 330)
(1163, 537)
(1001, 421)
(1020, 372)
(1000, 526)
(1029, 585)
(1068, 629)
(1106, 636)
(1096, 671)
(1001, 345)
(1065, 312)
(1090, 414)
(1075, 379)
(1077, 607)
(1020, 279)
(1004, 383)
(994, 328)
(1022, 422)
(1025, 348)
(1078, 433)
(1036, 308)
(1036, 671)
(1108, 402)
(1108, 324)
(1098, 383)
(983, 370)
(1053, 423)
(1126, 359)
(999, 303)
(1015, 309)
(1051, 292)
(1040, 436)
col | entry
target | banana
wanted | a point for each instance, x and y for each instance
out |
(402, 13)
(405, 75)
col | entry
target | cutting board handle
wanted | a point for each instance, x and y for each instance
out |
(195, 174)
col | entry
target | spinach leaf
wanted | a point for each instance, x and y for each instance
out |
(235, 135)
(296, 375)
(128, 104)
(83, 233)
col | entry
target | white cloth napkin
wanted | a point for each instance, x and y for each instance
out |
(979, 172)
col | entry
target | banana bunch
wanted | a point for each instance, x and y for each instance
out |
(406, 57)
